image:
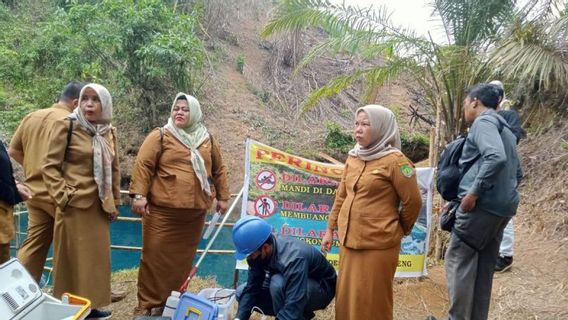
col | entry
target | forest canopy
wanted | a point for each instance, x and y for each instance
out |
(137, 49)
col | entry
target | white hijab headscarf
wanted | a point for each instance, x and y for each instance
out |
(103, 154)
(385, 136)
(505, 104)
(192, 136)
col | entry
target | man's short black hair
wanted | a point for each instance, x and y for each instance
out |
(486, 93)
(71, 91)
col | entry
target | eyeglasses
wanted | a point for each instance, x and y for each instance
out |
(176, 109)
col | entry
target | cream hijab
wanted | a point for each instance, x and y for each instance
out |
(103, 154)
(505, 103)
(192, 136)
(384, 134)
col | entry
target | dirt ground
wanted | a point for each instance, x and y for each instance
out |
(535, 288)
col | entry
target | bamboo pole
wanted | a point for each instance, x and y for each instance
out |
(137, 248)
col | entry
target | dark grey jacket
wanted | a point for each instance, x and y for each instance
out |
(494, 175)
(514, 121)
(8, 191)
(296, 261)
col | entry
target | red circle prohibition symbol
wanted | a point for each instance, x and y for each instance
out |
(264, 206)
(266, 180)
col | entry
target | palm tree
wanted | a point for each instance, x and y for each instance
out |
(533, 55)
(441, 70)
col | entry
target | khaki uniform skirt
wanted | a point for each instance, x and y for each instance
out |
(6, 230)
(6, 222)
(364, 285)
(170, 237)
(81, 255)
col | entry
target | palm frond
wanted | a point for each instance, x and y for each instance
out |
(539, 10)
(370, 24)
(472, 22)
(373, 76)
(359, 44)
(365, 33)
(535, 54)
(293, 15)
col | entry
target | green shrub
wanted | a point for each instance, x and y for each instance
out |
(11, 118)
(415, 146)
(240, 63)
(336, 139)
(142, 51)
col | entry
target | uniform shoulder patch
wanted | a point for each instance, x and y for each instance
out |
(406, 170)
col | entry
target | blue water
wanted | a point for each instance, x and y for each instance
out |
(125, 233)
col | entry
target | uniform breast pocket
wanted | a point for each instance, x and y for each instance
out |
(374, 178)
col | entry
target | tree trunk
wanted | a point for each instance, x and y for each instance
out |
(373, 95)
(439, 235)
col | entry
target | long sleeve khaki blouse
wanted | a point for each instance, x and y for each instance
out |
(377, 202)
(164, 174)
(70, 181)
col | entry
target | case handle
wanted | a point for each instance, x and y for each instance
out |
(193, 310)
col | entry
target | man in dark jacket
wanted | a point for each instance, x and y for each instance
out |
(11, 193)
(287, 277)
(505, 260)
(489, 198)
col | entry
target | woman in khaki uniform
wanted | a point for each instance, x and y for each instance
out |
(377, 202)
(11, 193)
(178, 173)
(83, 179)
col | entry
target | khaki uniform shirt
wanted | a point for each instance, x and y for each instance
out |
(32, 140)
(163, 172)
(366, 210)
(71, 182)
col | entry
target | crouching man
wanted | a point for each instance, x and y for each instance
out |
(287, 277)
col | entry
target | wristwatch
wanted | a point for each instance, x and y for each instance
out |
(138, 197)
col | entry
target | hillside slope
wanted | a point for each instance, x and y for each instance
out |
(536, 288)
(262, 103)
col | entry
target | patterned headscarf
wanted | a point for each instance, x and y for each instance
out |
(385, 136)
(192, 136)
(103, 154)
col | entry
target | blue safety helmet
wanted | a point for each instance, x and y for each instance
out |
(249, 234)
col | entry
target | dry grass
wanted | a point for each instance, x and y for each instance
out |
(544, 189)
(413, 298)
(126, 280)
(537, 286)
